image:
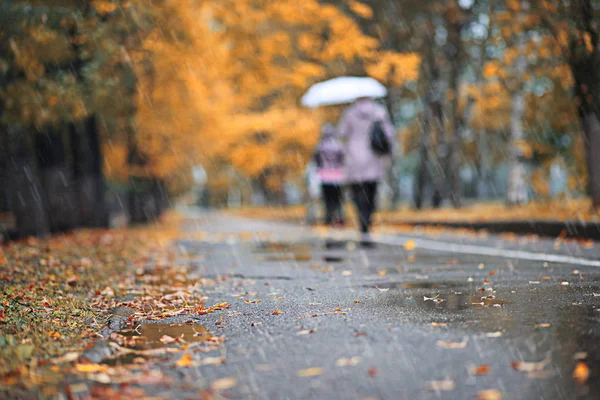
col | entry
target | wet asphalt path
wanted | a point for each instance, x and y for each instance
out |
(357, 323)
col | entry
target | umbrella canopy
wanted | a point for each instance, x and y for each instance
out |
(344, 89)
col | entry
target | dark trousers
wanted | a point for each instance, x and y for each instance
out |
(332, 197)
(363, 195)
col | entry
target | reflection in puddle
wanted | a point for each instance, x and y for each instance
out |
(149, 336)
(415, 285)
(283, 252)
(333, 259)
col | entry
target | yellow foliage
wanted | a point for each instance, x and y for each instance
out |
(395, 68)
(361, 9)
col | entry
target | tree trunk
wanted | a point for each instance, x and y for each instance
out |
(516, 192)
(421, 177)
(591, 131)
(57, 179)
(24, 193)
(483, 165)
(87, 160)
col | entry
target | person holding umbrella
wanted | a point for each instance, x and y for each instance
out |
(369, 138)
(369, 135)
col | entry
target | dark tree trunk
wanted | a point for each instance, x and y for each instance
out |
(591, 130)
(57, 179)
(421, 178)
(87, 161)
(24, 193)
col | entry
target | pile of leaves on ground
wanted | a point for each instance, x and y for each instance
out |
(58, 295)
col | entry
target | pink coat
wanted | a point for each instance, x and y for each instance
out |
(362, 164)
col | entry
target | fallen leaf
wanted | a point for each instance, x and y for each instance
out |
(542, 325)
(530, 366)
(581, 372)
(91, 368)
(276, 312)
(564, 283)
(348, 362)
(480, 370)
(309, 372)
(439, 324)
(372, 372)
(356, 301)
(489, 394)
(69, 357)
(425, 298)
(166, 339)
(445, 385)
(224, 383)
(346, 273)
(410, 245)
(493, 334)
(382, 289)
(453, 345)
(580, 355)
(107, 292)
(306, 332)
(251, 301)
(185, 361)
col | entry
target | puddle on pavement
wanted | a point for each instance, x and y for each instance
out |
(148, 336)
(333, 259)
(414, 285)
(275, 251)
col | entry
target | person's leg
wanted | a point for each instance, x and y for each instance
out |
(328, 199)
(370, 189)
(336, 212)
(362, 207)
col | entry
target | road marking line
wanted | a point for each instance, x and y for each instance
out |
(487, 251)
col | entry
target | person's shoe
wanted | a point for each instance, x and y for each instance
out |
(367, 242)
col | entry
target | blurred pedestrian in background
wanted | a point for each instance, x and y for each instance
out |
(329, 158)
(369, 145)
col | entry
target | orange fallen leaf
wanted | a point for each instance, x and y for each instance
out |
(372, 372)
(185, 361)
(489, 394)
(91, 368)
(581, 372)
(356, 301)
(410, 245)
(483, 369)
(542, 325)
(276, 312)
(309, 372)
(439, 324)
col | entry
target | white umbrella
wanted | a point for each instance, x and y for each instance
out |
(342, 90)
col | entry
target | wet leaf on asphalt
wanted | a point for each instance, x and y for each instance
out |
(382, 289)
(525, 366)
(309, 372)
(581, 372)
(542, 325)
(91, 368)
(185, 361)
(306, 331)
(425, 298)
(166, 339)
(277, 312)
(453, 345)
(224, 383)
(348, 362)
(483, 369)
(489, 394)
(410, 245)
(445, 385)
(493, 334)
(439, 324)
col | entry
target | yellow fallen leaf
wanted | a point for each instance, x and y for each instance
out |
(224, 383)
(445, 385)
(310, 372)
(489, 394)
(347, 362)
(410, 245)
(439, 324)
(581, 372)
(185, 361)
(542, 325)
(91, 367)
